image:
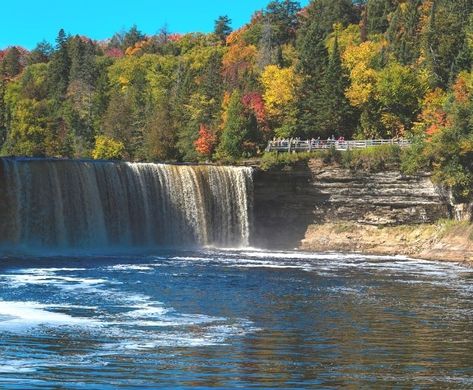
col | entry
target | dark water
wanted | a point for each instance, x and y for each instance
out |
(235, 319)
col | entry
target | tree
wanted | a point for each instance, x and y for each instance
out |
(235, 129)
(445, 32)
(280, 86)
(59, 67)
(335, 115)
(313, 56)
(282, 16)
(118, 121)
(81, 53)
(131, 37)
(11, 65)
(222, 27)
(41, 53)
(29, 124)
(403, 32)
(361, 61)
(239, 60)
(451, 147)
(378, 13)
(108, 149)
(161, 134)
(205, 144)
(399, 91)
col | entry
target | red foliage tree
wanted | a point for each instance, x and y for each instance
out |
(114, 52)
(175, 37)
(254, 103)
(205, 144)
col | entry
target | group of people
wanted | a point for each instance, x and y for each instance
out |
(314, 142)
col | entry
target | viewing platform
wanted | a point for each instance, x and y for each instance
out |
(296, 145)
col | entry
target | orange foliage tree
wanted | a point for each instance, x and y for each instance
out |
(205, 144)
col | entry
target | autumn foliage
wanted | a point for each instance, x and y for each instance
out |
(205, 144)
(357, 69)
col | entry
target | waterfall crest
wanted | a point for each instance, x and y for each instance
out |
(85, 205)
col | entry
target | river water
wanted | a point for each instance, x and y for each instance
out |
(215, 318)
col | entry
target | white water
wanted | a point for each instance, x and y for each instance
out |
(81, 205)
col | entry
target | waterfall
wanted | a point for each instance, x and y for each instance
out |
(87, 205)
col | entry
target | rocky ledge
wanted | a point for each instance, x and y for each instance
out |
(316, 207)
(446, 241)
(289, 200)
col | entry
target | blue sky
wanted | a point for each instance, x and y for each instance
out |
(27, 22)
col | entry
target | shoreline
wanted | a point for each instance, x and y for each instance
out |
(447, 241)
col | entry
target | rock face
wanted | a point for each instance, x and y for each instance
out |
(288, 200)
(447, 241)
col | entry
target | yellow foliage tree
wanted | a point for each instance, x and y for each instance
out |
(279, 89)
(107, 148)
(359, 61)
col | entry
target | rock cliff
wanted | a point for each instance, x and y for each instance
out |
(288, 200)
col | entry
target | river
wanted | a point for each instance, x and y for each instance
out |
(235, 318)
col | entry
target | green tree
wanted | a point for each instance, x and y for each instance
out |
(131, 37)
(235, 130)
(313, 56)
(118, 121)
(444, 39)
(334, 113)
(161, 134)
(282, 16)
(59, 67)
(11, 65)
(41, 53)
(403, 32)
(399, 92)
(377, 15)
(223, 27)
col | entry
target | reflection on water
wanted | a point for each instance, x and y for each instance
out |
(235, 318)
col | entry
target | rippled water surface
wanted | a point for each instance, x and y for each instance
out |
(235, 319)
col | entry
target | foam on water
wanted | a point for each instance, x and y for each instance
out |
(16, 316)
(137, 320)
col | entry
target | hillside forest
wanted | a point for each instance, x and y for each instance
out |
(361, 69)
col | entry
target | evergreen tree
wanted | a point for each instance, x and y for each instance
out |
(313, 57)
(82, 60)
(235, 130)
(3, 113)
(282, 16)
(223, 27)
(334, 114)
(41, 53)
(377, 13)
(161, 134)
(132, 36)
(11, 65)
(59, 67)
(444, 39)
(403, 32)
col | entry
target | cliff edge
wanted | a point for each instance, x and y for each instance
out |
(319, 207)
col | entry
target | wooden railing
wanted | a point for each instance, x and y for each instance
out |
(297, 145)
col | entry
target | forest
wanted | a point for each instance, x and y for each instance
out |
(358, 69)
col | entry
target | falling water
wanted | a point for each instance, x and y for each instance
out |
(84, 205)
